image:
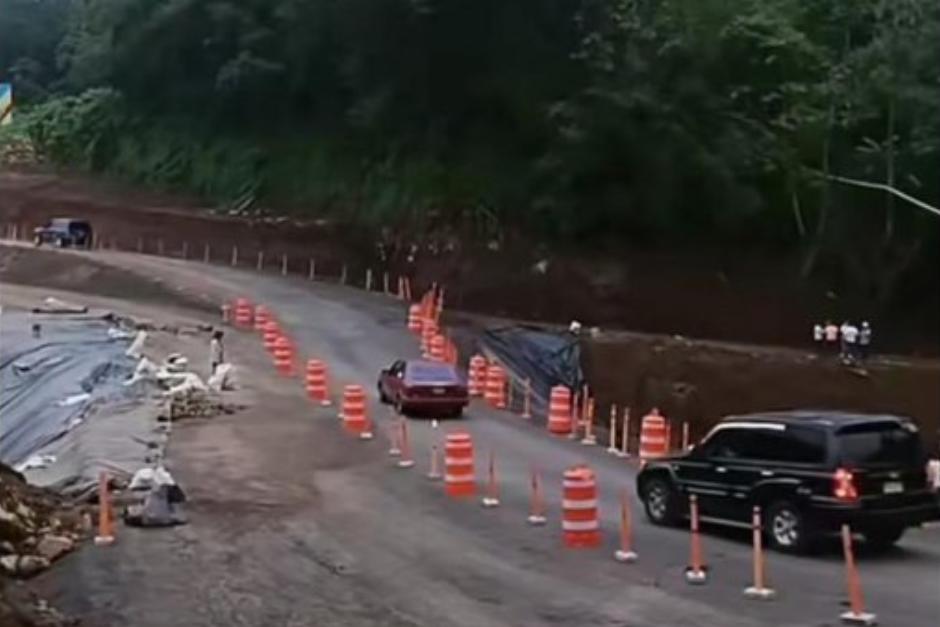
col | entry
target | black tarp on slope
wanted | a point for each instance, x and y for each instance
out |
(546, 358)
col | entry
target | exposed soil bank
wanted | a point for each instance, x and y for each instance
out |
(727, 294)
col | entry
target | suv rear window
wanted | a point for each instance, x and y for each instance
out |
(885, 443)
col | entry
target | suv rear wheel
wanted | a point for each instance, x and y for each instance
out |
(786, 527)
(661, 501)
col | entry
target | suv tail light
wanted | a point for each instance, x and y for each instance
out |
(843, 485)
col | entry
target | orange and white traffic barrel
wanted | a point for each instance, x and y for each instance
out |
(428, 331)
(262, 317)
(476, 380)
(495, 389)
(654, 436)
(284, 356)
(272, 331)
(316, 382)
(414, 319)
(559, 410)
(459, 479)
(243, 313)
(580, 524)
(438, 348)
(354, 409)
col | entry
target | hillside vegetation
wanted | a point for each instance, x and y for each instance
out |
(590, 123)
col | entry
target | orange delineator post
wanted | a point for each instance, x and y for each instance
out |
(527, 399)
(696, 573)
(625, 553)
(491, 498)
(758, 590)
(856, 614)
(105, 535)
(536, 502)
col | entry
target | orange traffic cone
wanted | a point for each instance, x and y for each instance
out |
(105, 535)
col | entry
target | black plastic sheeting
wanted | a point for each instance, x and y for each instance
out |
(544, 357)
(48, 384)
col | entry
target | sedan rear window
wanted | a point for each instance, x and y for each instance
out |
(429, 373)
(875, 444)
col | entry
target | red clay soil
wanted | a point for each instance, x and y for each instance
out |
(700, 382)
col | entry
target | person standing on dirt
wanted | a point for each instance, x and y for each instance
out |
(832, 334)
(864, 340)
(849, 342)
(819, 334)
(216, 352)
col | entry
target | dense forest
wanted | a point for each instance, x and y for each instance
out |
(587, 122)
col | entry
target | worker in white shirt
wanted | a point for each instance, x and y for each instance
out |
(864, 340)
(819, 333)
(832, 334)
(216, 352)
(850, 342)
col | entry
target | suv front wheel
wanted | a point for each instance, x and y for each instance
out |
(661, 502)
(786, 527)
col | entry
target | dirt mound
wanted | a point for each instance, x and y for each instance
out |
(43, 268)
(36, 528)
(700, 382)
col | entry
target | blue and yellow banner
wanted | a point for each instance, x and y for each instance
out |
(6, 103)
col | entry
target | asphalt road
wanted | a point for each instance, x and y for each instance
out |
(294, 523)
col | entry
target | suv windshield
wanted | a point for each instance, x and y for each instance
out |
(883, 443)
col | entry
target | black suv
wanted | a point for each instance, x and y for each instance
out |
(810, 472)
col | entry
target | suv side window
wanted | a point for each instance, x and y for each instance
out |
(795, 444)
(727, 443)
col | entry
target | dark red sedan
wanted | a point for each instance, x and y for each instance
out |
(430, 387)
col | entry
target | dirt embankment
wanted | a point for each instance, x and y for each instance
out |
(726, 295)
(701, 382)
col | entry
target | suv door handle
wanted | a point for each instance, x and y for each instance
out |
(720, 469)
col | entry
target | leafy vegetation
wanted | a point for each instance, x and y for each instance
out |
(683, 121)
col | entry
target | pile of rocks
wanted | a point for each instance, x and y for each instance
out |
(36, 527)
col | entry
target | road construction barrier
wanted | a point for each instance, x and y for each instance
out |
(105, 536)
(438, 348)
(495, 389)
(262, 317)
(226, 313)
(759, 590)
(625, 552)
(559, 410)
(696, 572)
(654, 436)
(316, 382)
(612, 431)
(405, 459)
(856, 615)
(428, 332)
(580, 525)
(434, 471)
(527, 399)
(354, 409)
(589, 438)
(625, 434)
(284, 356)
(459, 480)
(272, 331)
(415, 322)
(243, 313)
(476, 381)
